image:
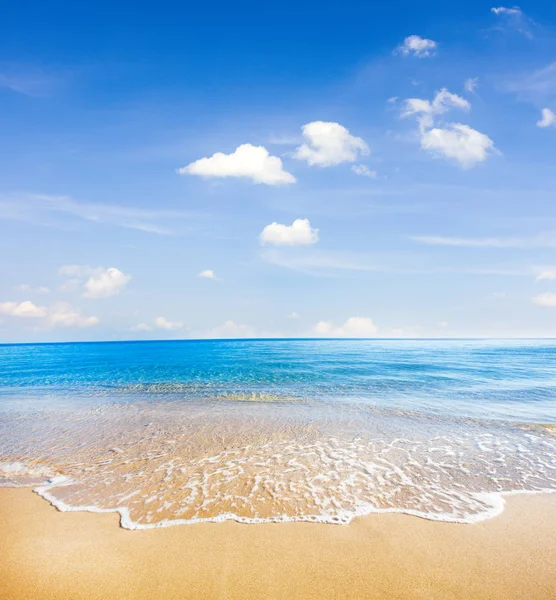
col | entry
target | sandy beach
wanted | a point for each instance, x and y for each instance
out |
(49, 554)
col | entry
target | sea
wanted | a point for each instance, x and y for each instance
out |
(319, 430)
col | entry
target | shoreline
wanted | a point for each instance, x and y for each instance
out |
(125, 521)
(52, 554)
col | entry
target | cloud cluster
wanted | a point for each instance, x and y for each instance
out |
(453, 141)
(417, 46)
(26, 309)
(328, 144)
(61, 314)
(354, 327)
(247, 161)
(299, 233)
(207, 274)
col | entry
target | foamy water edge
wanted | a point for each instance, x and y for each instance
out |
(495, 499)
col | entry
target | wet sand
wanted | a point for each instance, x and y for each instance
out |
(52, 555)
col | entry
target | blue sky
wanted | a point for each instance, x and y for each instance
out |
(288, 170)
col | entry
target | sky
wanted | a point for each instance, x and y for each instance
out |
(283, 170)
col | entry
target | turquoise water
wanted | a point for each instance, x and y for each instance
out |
(512, 380)
(277, 430)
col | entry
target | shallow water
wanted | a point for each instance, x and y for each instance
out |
(171, 432)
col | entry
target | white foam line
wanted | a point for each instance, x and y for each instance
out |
(496, 499)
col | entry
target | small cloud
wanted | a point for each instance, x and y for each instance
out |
(471, 84)
(247, 161)
(549, 274)
(164, 323)
(353, 327)
(105, 283)
(500, 295)
(329, 144)
(364, 171)
(26, 309)
(502, 10)
(547, 300)
(97, 282)
(207, 274)
(458, 142)
(230, 329)
(293, 316)
(299, 233)
(64, 315)
(548, 118)
(427, 110)
(417, 46)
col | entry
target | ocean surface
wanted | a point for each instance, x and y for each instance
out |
(279, 430)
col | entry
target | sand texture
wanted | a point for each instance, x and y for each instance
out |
(48, 554)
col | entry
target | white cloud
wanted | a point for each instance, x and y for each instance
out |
(454, 141)
(514, 19)
(164, 323)
(353, 327)
(427, 110)
(328, 144)
(105, 283)
(230, 329)
(547, 300)
(548, 118)
(417, 46)
(97, 282)
(458, 142)
(61, 314)
(247, 161)
(293, 316)
(364, 171)
(502, 10)
(299, 233)
(471, 84)
(26, 309)
(65, 315)
(207, 274)
(546, 274)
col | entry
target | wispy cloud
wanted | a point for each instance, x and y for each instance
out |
(340, 264)
(513, 19)
(26, 81)
(538, 86)
(540, 241)
(37, 208)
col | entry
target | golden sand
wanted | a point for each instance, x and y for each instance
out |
(47, 554)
